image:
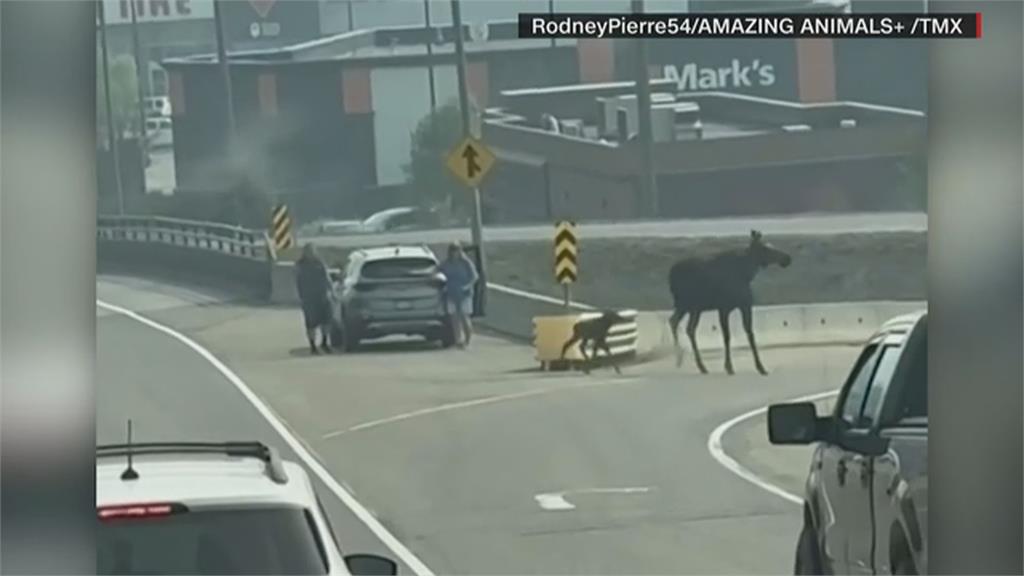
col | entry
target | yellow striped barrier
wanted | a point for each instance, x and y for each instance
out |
(550, 333)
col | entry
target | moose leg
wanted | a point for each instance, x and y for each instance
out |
(673, 325)
(723, 323)
(583, 352)
(607, 350)
(691, 331)
(748, 327)
(575, 338)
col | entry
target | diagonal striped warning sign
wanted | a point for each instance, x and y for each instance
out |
(566, 252)
(281, 228)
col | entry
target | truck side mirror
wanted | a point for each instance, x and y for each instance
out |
(795, 423)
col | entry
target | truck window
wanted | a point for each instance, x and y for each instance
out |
(879, 385)
(915, 400)
(857, 386)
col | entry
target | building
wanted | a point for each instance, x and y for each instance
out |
(571, 152)
(327, 123)
(177, 28)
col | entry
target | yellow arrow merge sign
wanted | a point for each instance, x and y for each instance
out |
(470, 161)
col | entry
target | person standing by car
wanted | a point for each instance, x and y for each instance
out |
(314, 286)
(460, 278)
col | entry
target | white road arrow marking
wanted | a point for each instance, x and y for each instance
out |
(554, 501)
(557, 500)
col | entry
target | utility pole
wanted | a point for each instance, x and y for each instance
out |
(430, 55)
(225, 71)
(464, 105)
(551, 12)
(648, 178)
(229, 107)
(139, 64)
(111, 129)
(351, 17)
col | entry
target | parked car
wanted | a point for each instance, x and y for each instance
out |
(213, 508)
(393, 290)
(866, 499)
(391, 220)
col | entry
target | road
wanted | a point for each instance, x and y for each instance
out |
(172, 393)
(474, 460)
(812, 224)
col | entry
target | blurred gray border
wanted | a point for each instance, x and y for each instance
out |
(48, 318)
(975, 291)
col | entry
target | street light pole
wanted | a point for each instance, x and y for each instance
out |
(430, 55)
(464, 105)
(143, 144)
(648, 177)
(229, 103)
(225, 71)
(551, 12)
(111, 130)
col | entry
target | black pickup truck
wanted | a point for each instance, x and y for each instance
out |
(866, 500)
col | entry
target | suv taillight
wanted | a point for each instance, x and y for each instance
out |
(125, 511)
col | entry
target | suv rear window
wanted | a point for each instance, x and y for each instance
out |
(398, 268)
(212, 541)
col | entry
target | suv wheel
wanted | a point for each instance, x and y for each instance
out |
(807, 559)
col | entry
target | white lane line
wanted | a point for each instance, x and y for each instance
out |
(715, 448)
(558, 501)
(360, 511)
(471, 403)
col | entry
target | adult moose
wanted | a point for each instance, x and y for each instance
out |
(719, 282)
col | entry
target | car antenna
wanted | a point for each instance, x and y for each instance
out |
(129, 472)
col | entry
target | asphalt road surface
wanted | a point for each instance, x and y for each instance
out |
(477, 466)
(709, 227)
(173, 394)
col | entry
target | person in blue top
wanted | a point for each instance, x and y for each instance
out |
(461, 276)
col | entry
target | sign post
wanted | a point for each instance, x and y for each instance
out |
(464, 107)
(566, 258)
(470, 162)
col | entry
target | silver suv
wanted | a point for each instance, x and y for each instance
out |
(394, 290)
(213, 508)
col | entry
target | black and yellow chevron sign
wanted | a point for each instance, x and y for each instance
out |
(566, 252)
(281, 228)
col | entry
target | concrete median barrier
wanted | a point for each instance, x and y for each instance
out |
(788, 325)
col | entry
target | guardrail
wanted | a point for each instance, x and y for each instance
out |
(552, 332)
(221, 238)
(229, 257)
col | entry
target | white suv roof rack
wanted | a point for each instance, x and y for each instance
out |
(268, 455)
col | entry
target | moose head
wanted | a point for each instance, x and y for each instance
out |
(764, 254)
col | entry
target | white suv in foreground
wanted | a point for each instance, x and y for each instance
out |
(214, 508)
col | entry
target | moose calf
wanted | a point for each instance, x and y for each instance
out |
(594, 330)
